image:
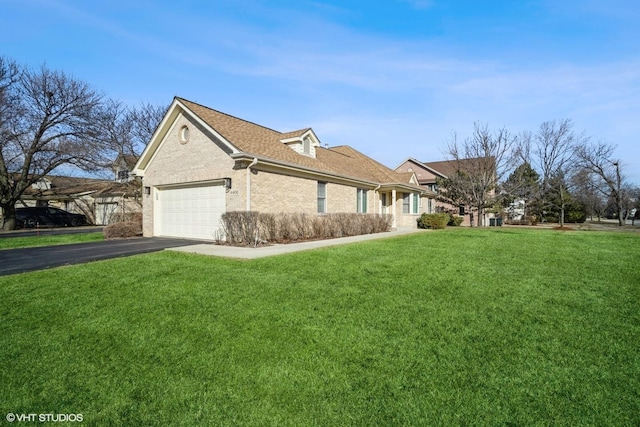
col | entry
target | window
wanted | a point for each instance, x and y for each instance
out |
(410, 203)
(361, 201)
(322, 197)
(184, 135)
(461, 210)
(123, 174)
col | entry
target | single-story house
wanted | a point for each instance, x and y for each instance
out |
(101, 201)
(201, 163)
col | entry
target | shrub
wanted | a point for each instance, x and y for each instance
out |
(253, 227)
(529, 220)
(240, 226)
(434, 221)
(126, 217)
(455, 220)
(121, 230)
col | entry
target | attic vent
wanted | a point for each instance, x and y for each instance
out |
(306, 145)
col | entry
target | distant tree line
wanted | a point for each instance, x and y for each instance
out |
(50, 119)
(553, 175)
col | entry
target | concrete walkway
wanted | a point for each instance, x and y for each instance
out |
(265, 251)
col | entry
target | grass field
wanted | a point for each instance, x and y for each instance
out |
(452, 327)
(48, 240)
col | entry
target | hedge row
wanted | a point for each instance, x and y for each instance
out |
(252, 228)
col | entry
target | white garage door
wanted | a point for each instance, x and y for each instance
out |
(192, 212)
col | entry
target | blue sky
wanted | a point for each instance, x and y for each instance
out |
(392, 78)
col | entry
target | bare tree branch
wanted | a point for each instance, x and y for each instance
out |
(47, 121)
(481, 161)
(604, 171)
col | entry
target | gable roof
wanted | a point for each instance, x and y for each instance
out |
(424, 167)
(450, 167)
(443, 168)
(250, 140)
(125, 160)
(70, 187)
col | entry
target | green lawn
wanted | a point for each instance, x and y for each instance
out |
(452, 327)
(48, 240)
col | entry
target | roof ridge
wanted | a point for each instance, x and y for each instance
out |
(336, 152)
(370, 159)
(228, 115)
(296, 131)
(383, 169)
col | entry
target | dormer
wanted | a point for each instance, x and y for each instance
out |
(303, 142)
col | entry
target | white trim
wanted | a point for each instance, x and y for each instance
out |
(203, 183)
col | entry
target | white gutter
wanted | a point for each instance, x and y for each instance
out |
(252, 164)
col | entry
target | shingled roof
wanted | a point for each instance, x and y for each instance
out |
(450, 167)
(70, 187)
(259, 141)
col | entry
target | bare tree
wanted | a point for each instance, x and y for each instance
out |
(125, 131)
(9, 77)
(481, 162)
(146, 118)
(604, 170)
(588, 193)
(551, 153)
(48, 120)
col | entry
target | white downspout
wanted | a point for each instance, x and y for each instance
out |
(252, 164)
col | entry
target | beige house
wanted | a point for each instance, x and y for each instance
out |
(427, 174)
(201, 163)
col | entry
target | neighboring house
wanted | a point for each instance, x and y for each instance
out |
(123, 166)
(102, 201)
(428, 173)
(516, 210)
(201, 163)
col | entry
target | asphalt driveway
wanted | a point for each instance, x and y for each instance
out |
(14, 261)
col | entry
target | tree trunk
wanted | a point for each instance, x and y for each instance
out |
(621, 219)
(8, 216)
